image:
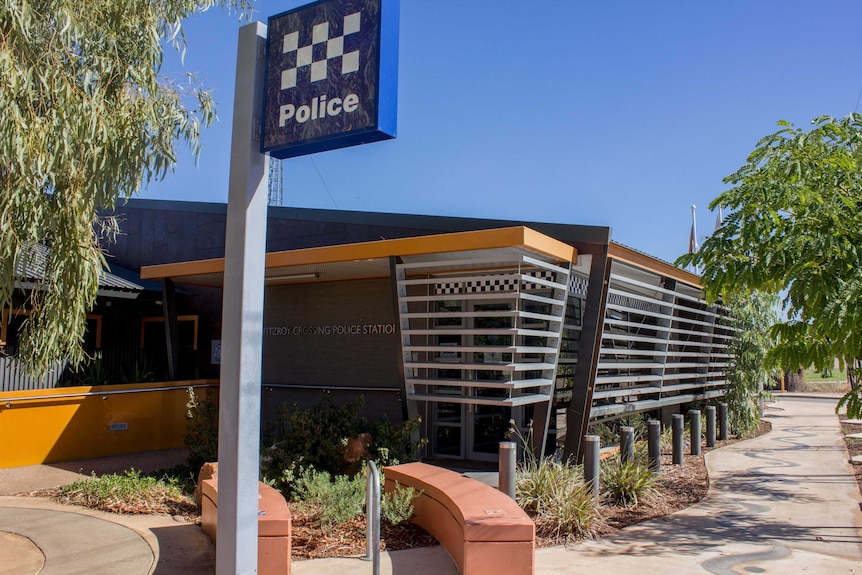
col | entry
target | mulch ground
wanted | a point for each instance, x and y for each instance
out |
(310, 541)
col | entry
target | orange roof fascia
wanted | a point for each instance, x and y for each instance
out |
(628, 255)
(519, 236)
(193, 268)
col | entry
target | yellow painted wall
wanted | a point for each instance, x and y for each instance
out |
(49, 429)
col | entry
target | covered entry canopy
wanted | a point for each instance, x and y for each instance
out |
(371, 259)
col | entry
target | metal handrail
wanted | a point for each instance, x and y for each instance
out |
(104, 393)
(324, 387)
(372, 517)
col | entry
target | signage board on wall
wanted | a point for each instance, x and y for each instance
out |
(331, 76)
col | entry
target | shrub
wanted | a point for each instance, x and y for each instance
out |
(332, 500)
(627, 482)
(555, 493)
(335, 500)
(397, 507)
(391, 443)
(201, 438)
(318, 438)
(609, 431)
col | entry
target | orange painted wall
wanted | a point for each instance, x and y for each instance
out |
(48, 428)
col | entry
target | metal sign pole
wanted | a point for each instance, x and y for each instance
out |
(242, 317)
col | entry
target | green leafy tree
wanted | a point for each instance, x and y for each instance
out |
(85, 119)
(748, 372)
(795, 228)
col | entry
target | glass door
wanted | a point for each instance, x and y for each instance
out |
(447, 436)
(487, 426)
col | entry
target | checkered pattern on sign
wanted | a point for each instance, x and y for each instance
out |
(489, 286)
(334, 49)
(578, 286)
(634, 304)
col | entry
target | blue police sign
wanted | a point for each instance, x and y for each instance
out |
(331, 76)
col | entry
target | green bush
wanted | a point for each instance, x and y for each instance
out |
(318, 438)
(555, 493)
(609, 431)
(201, 438)
(397, 507)
(333, 501)
(627, 482)
(391, 443)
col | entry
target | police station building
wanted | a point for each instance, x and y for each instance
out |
(465, 322)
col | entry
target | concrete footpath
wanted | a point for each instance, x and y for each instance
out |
(782, 503)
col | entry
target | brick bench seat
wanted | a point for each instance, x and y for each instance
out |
(483, 530)
(273, 527)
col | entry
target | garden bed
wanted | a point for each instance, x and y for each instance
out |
(679, 486)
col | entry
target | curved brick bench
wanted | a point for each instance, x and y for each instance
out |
(483, 530)
(273, 527)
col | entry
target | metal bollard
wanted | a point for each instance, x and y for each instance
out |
(723, 427)
(591, 462)
(372, 517)
(694, 422)
(710, 425)
(627, 443)
(677, 425)
(506, 477)
(654, 445)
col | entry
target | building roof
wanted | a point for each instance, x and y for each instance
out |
(368, 259)
(31, 272)
(643, 260)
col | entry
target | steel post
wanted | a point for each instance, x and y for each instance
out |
(677, 425)
(654, 445)
(627, 443)
(592, 447)
(242, 317)
(506, 476)
(372, 517)
(694, 423)
(710, 425)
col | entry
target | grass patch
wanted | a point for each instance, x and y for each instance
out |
(130, 492)
(834, 375)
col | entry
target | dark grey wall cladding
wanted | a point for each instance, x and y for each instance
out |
(376, 404)
(331, 334)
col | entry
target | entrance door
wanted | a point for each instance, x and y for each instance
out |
(487, 426)
(470, 431)
(447, 439)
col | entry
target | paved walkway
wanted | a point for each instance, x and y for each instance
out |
(785, 502)
(779, 504)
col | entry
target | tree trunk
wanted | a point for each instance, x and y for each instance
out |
(793, 380)
(852, 370)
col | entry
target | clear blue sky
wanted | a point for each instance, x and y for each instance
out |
(617, 113)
